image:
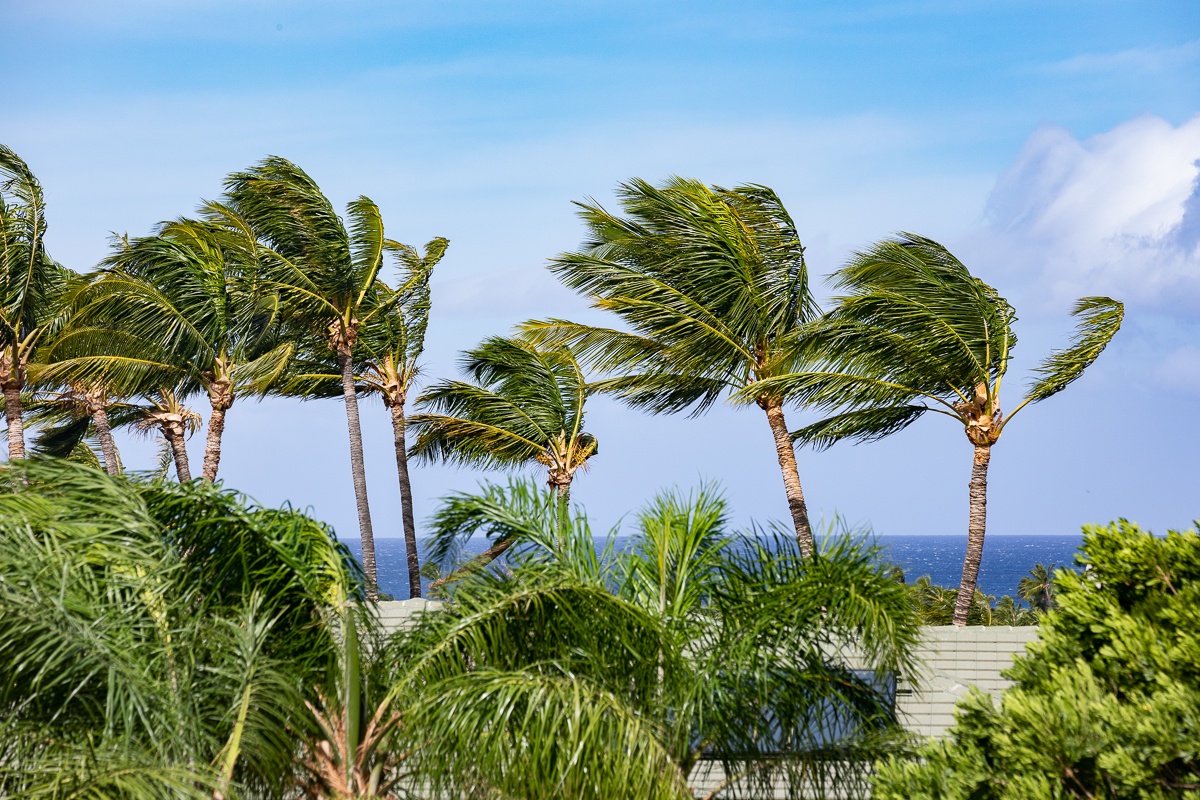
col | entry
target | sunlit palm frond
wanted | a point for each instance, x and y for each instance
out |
(1099, 320)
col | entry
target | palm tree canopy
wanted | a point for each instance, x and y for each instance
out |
(711, 282)
(917, 332)
(30, 281)
(391, 333)
(185, 306)
(526, 404)
(324, 270)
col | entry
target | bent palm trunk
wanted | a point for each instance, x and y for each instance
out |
(406, 507)
(791, 474)
(112, 461)
(976, 527)
(358, 470)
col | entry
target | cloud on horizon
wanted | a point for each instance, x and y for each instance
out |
(1117, 213)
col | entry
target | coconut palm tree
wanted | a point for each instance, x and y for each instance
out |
(32, 287)
(713, 286)
(525, 406)
(325, 275)
(184, 306)
(917, 333)
(391, 338)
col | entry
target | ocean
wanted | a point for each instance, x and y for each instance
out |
(1006, 559)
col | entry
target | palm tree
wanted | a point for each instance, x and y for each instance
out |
(391, 338)
(526, 406)
(727, 664)
(916, 332)
(1037, 588)
(32, 286)
(325, 275)
(713, 284)
(158, 639)
(184, 306)
(64, 418)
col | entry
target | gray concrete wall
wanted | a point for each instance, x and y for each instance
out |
(956, 659)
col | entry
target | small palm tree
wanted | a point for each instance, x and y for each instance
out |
(325, 275)
(64, 418)
(391, 339)
(916, 332)
(714, 662)
(1037, 588)
(525, 406)
(714, 286)
(176, 423)
(32, 287)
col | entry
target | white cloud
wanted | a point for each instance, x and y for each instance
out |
(1134, 60)
(1117, 213)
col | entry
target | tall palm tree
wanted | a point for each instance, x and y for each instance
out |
(525, 406)
(184, 306)
(713, 285)
(32, 286)
(391, 338)
(325, 275)
(916, 332)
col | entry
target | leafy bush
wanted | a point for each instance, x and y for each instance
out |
(1106, 703)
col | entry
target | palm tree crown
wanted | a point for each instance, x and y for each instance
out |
(526, 406)
(713, 285)
(916, 332)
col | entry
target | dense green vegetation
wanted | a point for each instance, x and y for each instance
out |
(167, 638)
(1106, 703)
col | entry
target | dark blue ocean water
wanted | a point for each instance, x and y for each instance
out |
(1006, 559)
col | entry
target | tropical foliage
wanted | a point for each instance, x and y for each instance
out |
(156, 638)
(714, 289)
(695, 659)
(915, 333)
(1105, 705)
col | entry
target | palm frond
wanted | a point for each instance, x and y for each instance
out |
(864, 425)
(1099, 320)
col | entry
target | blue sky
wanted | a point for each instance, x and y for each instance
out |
(1052, 145)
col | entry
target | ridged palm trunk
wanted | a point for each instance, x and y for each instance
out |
(12, 380)
(976, 527)
(396, 407)
(791, 473)
(220, 398)
(108, 447)
(174, 434)
(357, 468)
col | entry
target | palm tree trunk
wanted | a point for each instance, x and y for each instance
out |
(212, 443)
(791, 474)
(16, 422)
(406, 506)
(112, 461)
(976, 527)
(358, 470)
(179, 450)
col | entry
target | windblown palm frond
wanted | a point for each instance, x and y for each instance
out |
(525, 406)
(917, 332)
(712, 286)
